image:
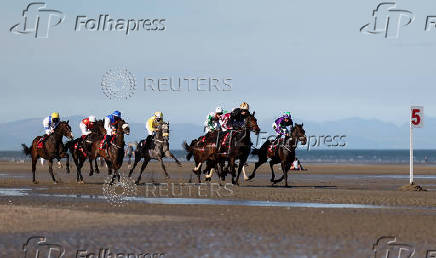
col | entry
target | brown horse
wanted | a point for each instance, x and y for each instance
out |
(80, 149)
(114, 153)
(52, 148)
(238, 148)
(202, 149)
(283, 153)
(232, 145)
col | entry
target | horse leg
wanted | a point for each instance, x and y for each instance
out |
(135, 163)
(168, 154)
(240, 168)
(79, 177)
(109, 167)
(50, 170)
(34, 161)
(256, 166)
(67, 163)
(285, 172)
(273, 176)
(163, 168)
(91, 167)
(143, 166)
(97, 170)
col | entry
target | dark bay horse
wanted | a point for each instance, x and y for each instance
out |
(80, 149)
(283, 153)
(232, 145)
(114, 153)
(157, 149)
(237, 148)
(52, 148)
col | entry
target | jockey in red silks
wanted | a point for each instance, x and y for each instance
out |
(86, 125)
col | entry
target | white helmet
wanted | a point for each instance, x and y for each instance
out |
(92, 119)
(219, 110)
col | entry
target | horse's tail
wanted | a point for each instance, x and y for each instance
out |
(26, 150)
(187, 149)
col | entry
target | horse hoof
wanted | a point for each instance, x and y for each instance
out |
(36, 182)
(97, 171)
(136, 182)
(90, 173)
(55, 182)
(80, 182)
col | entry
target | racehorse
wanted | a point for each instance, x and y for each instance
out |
(156, 149)
(283, 153)
(238, 148)
(114, 153)
(52, 148)
(234, 145)
(80, 149)
(202, 149)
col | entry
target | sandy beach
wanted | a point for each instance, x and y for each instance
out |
(328, 210)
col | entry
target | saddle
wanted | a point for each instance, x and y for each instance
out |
(103, 141)
(41, 140)
(79, 147)
(275, 144)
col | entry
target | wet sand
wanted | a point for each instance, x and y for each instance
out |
(78, 223)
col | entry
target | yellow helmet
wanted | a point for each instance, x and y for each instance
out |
(158, 115)
(54, 115)
(244, 106)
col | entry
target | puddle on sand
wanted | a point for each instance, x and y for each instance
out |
(198, 201)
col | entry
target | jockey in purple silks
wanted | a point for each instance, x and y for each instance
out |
(281, 124)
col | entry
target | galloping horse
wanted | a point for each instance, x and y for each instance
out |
(157, 149)
(237, 148)
(284, 153)
(114, 153)
(80, 152)
(52, 148)
(234, 145)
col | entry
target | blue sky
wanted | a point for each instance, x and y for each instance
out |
(306, 57)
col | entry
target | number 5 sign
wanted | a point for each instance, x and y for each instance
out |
(416, 121)
(416, 116)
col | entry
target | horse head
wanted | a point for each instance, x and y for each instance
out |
(299, 133)
(64, 129)
(251, 123)
(123, 127)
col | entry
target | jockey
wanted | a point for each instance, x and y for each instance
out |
(212, 120)
(235, 119)
(152, 125)
(110, 122)
(281, 124)
(86, 125)
(50, 123)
